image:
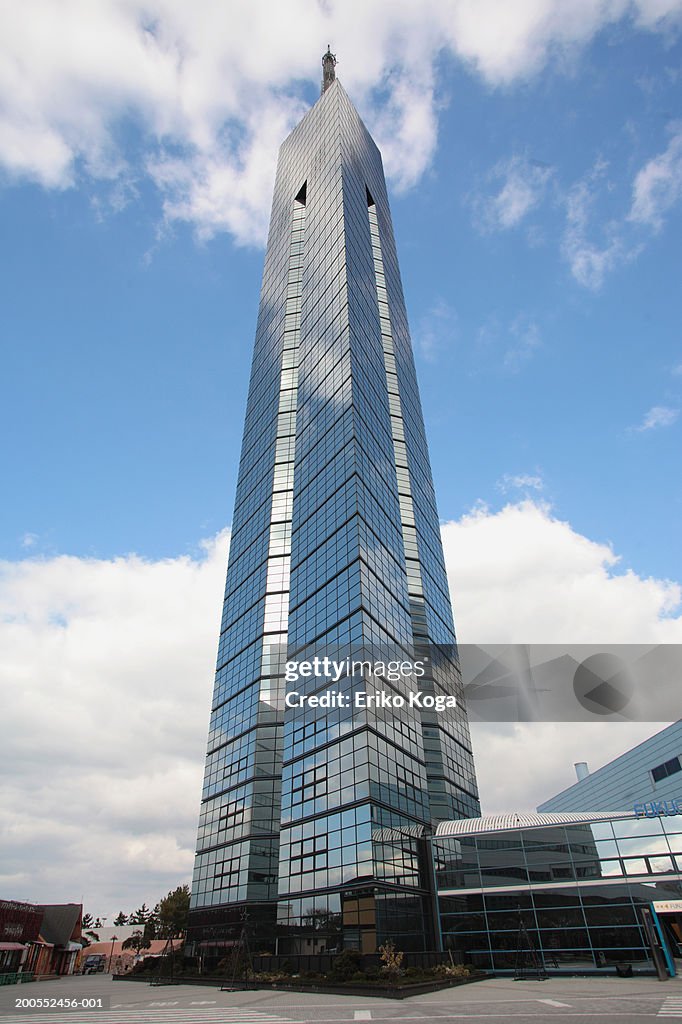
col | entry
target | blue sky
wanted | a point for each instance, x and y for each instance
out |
(534, 159)
(127, 338)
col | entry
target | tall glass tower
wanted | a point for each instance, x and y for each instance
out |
(312, 819)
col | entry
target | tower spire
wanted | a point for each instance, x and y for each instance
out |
(328, 65)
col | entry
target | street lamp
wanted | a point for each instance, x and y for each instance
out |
(111, 955)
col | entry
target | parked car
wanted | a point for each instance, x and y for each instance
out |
(94, 964)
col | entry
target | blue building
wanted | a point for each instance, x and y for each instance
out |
(650, 772)
(313, 817)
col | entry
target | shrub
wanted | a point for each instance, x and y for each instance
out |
(391, 959)
(452, 971)
(346, 965)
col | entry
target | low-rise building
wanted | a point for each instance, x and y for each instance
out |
(119, 960)
(568, 891)
(39, 938)
(649, 773)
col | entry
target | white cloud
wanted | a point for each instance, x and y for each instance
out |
(406, 127)
(658, 416)
(589, 261)
(521, 575)
(656, 189)
(661, 14)
(106, 678)
(526, 339)
(509, 41)
(539, 757)
(223, 188)
(523, 185)
(436, 331)
(658, 185)
(509, 346)
(209, 89)
(520, 482)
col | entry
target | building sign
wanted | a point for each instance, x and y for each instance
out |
(19, 922)
(668, 906)
(657, 808)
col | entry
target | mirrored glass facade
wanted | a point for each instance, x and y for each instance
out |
(578, 889)
(313, 819)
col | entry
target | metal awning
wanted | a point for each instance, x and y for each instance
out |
(514, 822)
(4, 946)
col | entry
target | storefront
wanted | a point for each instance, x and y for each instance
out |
(39, 939)
(569, 891)
(11, 956)
(19, 925)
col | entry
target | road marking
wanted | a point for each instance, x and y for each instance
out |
(138, 1015)
(553, 1002)
(193, 1018)
(204, 1002)
(362, 1015)
(206, 1017)
(672, 1007)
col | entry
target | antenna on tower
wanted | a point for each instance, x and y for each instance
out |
(328, 65)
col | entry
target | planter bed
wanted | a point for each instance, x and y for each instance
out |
(353, 988)
(417, 988)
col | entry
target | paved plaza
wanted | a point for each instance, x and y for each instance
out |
(496, 999)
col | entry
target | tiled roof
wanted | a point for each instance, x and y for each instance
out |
(116, 948)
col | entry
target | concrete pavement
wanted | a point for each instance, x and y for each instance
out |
(582, 1000)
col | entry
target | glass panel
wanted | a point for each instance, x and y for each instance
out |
(628, 828)
(610, 914)
(643, 845)
(611, 868)
(635, 866)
